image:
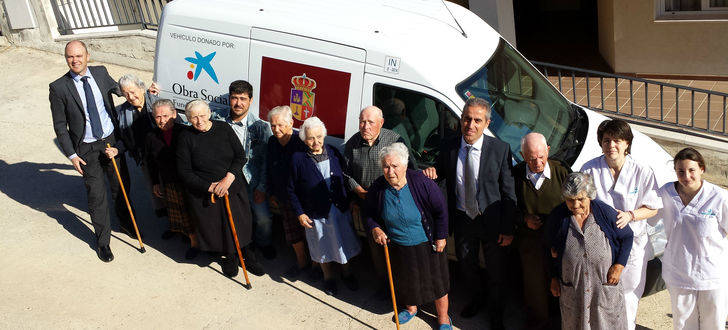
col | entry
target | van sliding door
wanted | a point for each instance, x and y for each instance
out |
(313, 77)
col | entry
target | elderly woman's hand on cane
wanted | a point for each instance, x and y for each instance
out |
(221, 188)
(379, 236)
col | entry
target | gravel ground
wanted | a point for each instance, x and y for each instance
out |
(51, 276)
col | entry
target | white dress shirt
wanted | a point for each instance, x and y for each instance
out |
(538, 178)
(106, 123)
(240, 128)
(474, 161)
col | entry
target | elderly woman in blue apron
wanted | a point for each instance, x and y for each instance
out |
(318, 198)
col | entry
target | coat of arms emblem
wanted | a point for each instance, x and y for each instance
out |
(302, 97)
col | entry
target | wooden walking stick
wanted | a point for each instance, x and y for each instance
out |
(128, 206)
(235, 238)
(391, 285)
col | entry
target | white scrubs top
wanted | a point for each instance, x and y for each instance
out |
(696, 254)
(636, 186)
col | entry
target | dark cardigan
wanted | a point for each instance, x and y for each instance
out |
(427, 196)
(620, 240)
(542, 201)
(161, 159)
(206, 157)
(307, 190)
(278, 164)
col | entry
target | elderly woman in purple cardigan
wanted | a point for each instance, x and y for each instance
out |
(407, 211)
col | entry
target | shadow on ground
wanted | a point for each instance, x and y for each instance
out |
(54, 188)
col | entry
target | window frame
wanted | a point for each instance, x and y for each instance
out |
(706, 13)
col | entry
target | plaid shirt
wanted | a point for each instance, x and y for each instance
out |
(362, 160)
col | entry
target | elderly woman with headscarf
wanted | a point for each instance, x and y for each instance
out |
(589, 252)
(407, 211)
(318, 197)
(135, 122)
(210, 159)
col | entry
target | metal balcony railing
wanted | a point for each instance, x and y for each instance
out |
(662, 103)
(73, 15)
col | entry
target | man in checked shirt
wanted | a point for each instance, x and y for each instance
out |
(362, 168)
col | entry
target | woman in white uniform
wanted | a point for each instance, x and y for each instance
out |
(630, 188)
(694, 265)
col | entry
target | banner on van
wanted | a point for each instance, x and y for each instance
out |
(308, 90)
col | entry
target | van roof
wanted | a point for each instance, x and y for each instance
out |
(422, 33)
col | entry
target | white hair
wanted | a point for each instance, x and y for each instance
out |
(577, 183)
(397, 149)
(129, 80)
(310, 123)
(281, 110)
(163, 103)
(196, 104)
(542, 139)
(374, 108)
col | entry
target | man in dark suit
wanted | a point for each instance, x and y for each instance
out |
(85, 121)
(481, 201)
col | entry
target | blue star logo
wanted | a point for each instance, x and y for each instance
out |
(203, 63)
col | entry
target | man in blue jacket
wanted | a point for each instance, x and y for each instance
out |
(253, 134)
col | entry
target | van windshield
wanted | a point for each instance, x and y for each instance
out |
(523, 101)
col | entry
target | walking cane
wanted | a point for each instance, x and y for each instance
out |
(391, 285)
(128, 206)
(235, 237)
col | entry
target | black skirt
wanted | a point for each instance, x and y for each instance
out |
(212, 224)
(420, 274)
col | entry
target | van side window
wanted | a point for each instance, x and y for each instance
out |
(422, 121)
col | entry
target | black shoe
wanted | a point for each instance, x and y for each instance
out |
(269, 252)
(160, 213)
(251, 262)
(351, 282)
(315, 274)
(254, 268)
(471, 309)
(167, 234)
(192, 253)
(129, 231)
(330, 287)
(104, 253)
(229, 265)
(294, 272)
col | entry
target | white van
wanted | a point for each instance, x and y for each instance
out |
(418, 60)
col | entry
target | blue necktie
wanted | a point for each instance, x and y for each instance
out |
(93, 112)
(471, 191)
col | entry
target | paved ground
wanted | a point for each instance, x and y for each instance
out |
(52, 278)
